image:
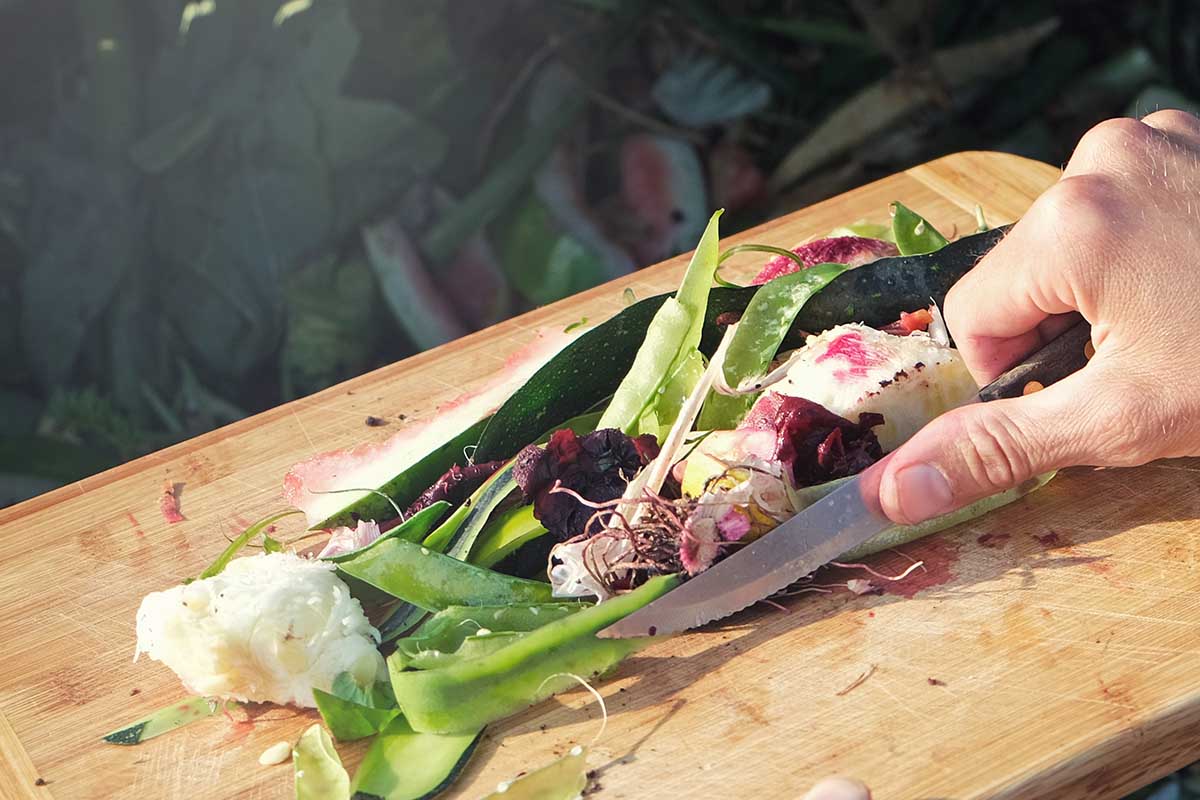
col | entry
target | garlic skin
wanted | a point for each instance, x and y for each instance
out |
(269, 628)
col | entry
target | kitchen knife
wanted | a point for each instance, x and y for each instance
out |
(836, 524)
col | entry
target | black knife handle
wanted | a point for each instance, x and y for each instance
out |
(1055, 361)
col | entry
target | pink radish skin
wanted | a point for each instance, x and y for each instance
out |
(852, 250)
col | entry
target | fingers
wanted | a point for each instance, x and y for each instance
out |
(979, 450)
(839, 789)
(1015, 299)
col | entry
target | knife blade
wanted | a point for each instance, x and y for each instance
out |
(836, 524)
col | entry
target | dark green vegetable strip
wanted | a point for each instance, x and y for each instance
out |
(413, 529)
(165, 720)
(875, 294)
(470, 694)
(593, 365)
(763, 327)
(241, 541)
(913, 233)
(432, 581)
(402, 764)
(479, 508)
(408, 485)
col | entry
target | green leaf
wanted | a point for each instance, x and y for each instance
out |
(403, 764)
(505, 534)
(354, 712)
(241, 541)
(318, 770)
(913, 234)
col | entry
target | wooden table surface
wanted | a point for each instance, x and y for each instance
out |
(1049, 650)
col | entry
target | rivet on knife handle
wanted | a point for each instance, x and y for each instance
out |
(1063, 356)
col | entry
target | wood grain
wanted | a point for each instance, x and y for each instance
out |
(1062, 634)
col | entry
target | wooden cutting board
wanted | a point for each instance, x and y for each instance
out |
(1049, 650)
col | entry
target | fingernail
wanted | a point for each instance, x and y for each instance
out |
(922, 492)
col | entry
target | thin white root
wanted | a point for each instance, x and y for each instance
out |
(591, 690)
(878, 574)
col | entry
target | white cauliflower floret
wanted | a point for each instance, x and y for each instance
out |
(269, 628)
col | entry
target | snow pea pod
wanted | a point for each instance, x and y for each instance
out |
(912, 233)
(432, 581)
(672, 337)
(469, 694)
(767, 320)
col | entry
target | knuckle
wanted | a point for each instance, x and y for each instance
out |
(1083, 206)
(1172, 119)
(995, 452)
(1111, 140)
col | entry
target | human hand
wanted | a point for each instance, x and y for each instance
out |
(838, 789)
(1116, 240)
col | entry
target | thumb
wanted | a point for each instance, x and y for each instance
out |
(981, 449)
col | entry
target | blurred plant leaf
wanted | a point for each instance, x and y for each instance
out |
(1111, 82)
(416, 304)
(544, 262)
(704, 90)
(815, 31)
(203, 408)
(86, 229)
(85, 417)
(171, 142)
(19, 413)
(1027, 92)
(332, 325)
(1157, 97)
(886, 102)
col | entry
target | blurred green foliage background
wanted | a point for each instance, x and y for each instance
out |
(208, 208)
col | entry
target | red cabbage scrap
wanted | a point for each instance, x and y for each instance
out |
(597, 466)
(852, 250)
(455, 485)
(818, 444)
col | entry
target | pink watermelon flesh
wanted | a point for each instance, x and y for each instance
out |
(372, 464)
